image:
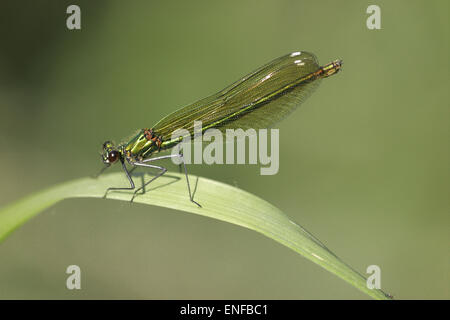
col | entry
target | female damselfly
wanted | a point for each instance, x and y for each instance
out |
(258, 100)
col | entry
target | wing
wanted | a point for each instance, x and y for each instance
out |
(258, 100)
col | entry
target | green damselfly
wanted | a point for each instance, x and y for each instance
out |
(256, 101)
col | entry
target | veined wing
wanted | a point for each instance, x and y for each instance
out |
(258, 100)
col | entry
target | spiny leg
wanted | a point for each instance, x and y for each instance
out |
(131, 187)
(191, 196)
(164, 170)
(141, 164)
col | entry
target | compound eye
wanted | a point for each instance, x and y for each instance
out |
(113, 156)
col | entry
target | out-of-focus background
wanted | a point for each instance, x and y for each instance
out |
(364, 163)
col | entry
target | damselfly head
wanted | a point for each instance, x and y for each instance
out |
(110, 153)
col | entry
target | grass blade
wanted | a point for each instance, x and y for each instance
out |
(220, 201)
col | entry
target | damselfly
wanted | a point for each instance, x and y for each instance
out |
(256, 101)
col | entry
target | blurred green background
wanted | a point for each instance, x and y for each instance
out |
(364, 163)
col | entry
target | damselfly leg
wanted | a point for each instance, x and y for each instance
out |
(131, 187)
(144, 163)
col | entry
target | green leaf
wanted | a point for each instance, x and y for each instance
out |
(218, 200)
